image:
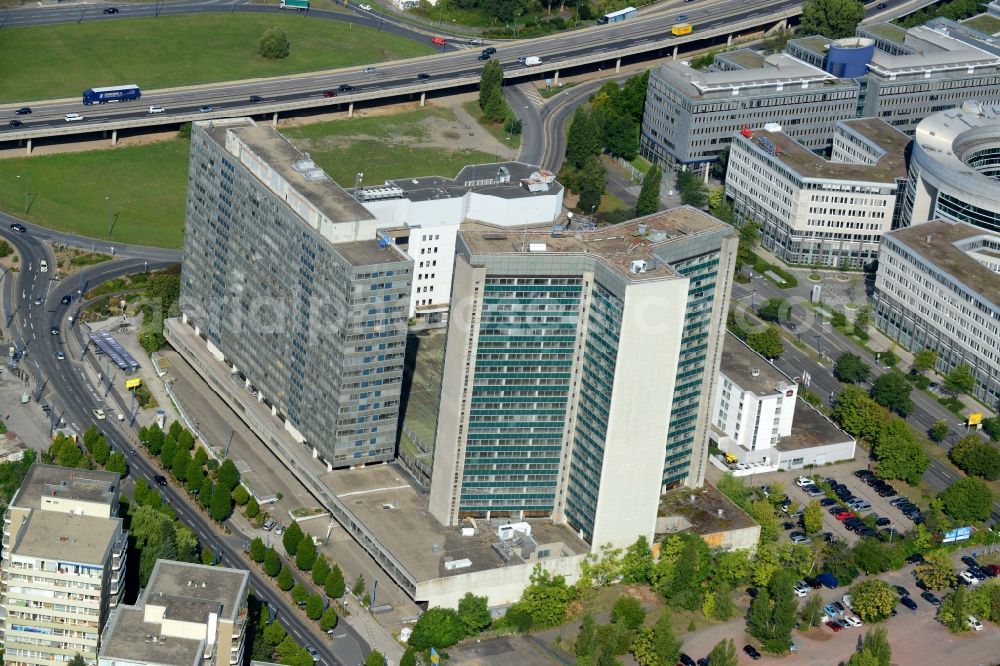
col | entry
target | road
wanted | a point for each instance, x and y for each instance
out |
(824, 338)
(64, 385)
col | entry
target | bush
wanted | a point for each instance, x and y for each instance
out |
(273, 44)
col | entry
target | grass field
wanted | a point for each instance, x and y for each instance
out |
(496, 129)
(147, 185)
(382, 147)
(170, 51)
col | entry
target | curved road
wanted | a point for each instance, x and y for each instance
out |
(63, 384)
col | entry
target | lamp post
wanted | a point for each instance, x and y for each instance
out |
(27, 180)
(108, 199)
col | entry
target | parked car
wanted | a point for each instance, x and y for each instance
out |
(752, 652)
(835, 626)
(882, 521)
(973, 622)
(831, 611)
(902, 591)
(686, 660)
(802, 539)
(803, 481)
(970, 561)
(828, 580)
(812, 582)
(909, 603)
(929, 597)
(853, 621)
(828, 501)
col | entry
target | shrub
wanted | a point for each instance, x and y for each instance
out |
(273, 44)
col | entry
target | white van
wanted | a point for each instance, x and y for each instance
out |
(156, 109)
(72, 117)
(43, 266)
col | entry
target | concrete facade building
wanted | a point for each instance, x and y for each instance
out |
(817, 211)
(938, 287)
(287, 279)
(758, 418)
(63, 570)
(188, 615)
(423, 216)
(955, 167)
(577, 372)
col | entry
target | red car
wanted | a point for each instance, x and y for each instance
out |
(995, 568)
(835, 626)
(845, 515)
(438, 40)
(329, 93)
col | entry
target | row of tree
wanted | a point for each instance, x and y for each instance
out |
(491, 100)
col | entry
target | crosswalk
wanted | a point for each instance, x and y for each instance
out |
(531, 92)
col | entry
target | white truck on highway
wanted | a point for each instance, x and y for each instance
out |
(530, 61)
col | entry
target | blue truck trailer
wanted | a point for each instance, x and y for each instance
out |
(127, 93)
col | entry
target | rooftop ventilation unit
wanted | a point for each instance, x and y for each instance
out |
(638, 266)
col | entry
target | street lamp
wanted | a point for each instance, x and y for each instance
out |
(27, 179)
(108, 199)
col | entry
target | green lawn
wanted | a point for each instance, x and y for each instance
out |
(147, 184)
(66, 59)
(378, 147)
(496, 129)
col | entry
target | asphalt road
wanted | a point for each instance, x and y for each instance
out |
(64, 385)
(822, 337)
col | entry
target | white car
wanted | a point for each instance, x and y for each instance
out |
(968, 578)
(43, 266)
(853, 621)
(801, 589)
(803, 481)
(156, 109)
(975, 624)
(99, 414)
(367, 8)
(72, 117)
(801, 539)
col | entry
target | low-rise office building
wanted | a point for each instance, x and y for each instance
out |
(812, 210)
(63, 570)
(423, 216)
(938, 287)
(955, 167)
(188, 615)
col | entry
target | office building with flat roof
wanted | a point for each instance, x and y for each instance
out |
(578, 371)
(287, 278)
(938, 287)
(188, 615)
(63, 569)
(423, 216)
(813, 210)
(691, 115)
(955, 167)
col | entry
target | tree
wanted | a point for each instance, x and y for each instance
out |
(179, 468)
(257, 550)
(314, 606)
(721, 164)
(221, 505)
(299, 593)
(850, 368)
(831, 18)
(628, 612)
(967, 499)
(590, 183)
(474, 613)
(767, 343)
(546, 598)
(991, 426)
(925, 360)
(77, 660)
(329, 620)
(490, 83)
(899, 454)
(305, 554)
(621, 136)
(583, 139)
(812, 611)
(874, 651)
(291, 654)
(873, 599)
(772, 309)
(812, 517)
(273, 44)
(759, 617)
(253, 508)
(691, 188)
(723, 654)
(195, 476)
(320, 570)
(206, 492)
(976, 457)
(334, 585)
(953, 611)
(358, 589)
(272, 562)
(892, 391)
(227, 475)
(649, 195)
(291, 538)
(938, 431)
(374, 658)
(586, 638)
(637, 563)
(437, 628)
(936, 571)
(959, 380)
(772, 614)
(101, 451)
(116, 463)
(240, 495)
(284, 579)
(656, 645)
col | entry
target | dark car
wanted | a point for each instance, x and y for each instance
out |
(65, 300)
(788, 526)
(929, 597)
(329, 93)
(160, 480)
(686, 660)
(881, 5)
(751, 652)
(423, 76)
(205, 109)
(490, 50)
(19, 228)
(682, 17)
(54, 330)
(828, 537)
(345, 87)
(484, 56)
(256, 99)
(703, 661)
(827, 501)
(23, 111)
(110, 10)
(15, 123)
(752, 592)
(909, 603)
(812, 582)
(902, 591)
(988, 572)
(828, 580)
(969, 561)
(882, 522)
(863, 474)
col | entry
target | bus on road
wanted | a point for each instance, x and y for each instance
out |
(619, 15)
(127, 93)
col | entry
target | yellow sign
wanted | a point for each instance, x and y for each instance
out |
(135, 382)
(682, 29)
(975, 418)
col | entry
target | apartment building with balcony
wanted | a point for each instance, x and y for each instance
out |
(63, 570)
(188, 615)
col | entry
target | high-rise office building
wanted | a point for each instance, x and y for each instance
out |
(288, 280)
(578, 369)
(63, 568)
(188, 615)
